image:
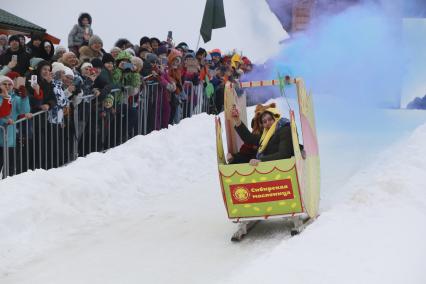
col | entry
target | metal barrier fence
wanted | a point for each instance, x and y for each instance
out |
(90, 124)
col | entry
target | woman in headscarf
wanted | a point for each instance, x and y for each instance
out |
(47, 50)
(274, 141)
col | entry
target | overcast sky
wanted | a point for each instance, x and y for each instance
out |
(251, 26)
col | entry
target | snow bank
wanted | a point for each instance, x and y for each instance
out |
(376, 234)
(41, 209)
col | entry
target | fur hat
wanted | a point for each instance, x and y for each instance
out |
(95, 39)
(86, 64)
(56, 67)
(68, 71)
(82, 16)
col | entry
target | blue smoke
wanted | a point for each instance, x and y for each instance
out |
(354, 56)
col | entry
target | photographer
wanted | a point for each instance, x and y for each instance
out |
(41, 89)
(17, 105)
(17, 53)
(127, 79)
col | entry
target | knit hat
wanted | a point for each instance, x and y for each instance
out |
(97, 63)
(86, 64)
(12, 75)
(144, 40)
(13, 38)
(34, 62)
(95, 39)
(56, 67)
(107, 58)
(68, 71)
(5, 78)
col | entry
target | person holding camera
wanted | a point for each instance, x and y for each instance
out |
(80, 33)
(16, 53)
(34, 47)
(40, 88)
(11, 106)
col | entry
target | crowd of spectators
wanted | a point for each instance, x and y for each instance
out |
(84, 81)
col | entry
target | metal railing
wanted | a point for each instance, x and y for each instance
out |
(92, 126)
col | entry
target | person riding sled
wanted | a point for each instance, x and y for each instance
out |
(274, 140)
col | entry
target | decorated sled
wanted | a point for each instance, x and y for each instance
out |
(287, 188)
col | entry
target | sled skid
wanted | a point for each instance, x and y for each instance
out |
(299, 224)
(243, 228)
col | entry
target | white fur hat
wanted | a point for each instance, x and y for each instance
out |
(56, 67)
(68, 72)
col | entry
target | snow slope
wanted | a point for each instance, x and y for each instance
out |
(151, 211)
(376, 234)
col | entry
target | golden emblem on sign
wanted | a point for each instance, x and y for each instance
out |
(241, 194)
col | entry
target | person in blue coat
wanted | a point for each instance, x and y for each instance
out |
(20, 105)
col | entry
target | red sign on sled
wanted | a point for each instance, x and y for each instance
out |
(262, 192)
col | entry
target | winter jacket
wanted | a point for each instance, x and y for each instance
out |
(45, 96)
(32, 50)
(23, 60)
(56, 113)
(20, 105)
(280, 145)
(75, 37)
(43, 53)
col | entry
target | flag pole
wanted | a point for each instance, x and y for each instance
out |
(198, 43)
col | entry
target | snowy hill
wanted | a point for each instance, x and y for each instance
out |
(150, 211)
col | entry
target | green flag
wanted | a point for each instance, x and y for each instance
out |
(213, 18)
